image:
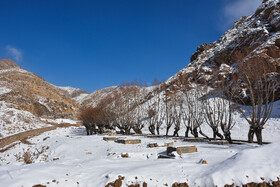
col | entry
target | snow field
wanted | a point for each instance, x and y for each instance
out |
(90, 161)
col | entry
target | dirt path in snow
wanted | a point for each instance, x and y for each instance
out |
(24, 135)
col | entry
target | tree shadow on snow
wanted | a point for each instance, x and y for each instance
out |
(229, 146)
(81, 131)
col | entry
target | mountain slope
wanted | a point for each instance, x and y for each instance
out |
(75, 93)
(253, 43)
(29, 92)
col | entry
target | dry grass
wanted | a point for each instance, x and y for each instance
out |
(28, 89)
(29, 157)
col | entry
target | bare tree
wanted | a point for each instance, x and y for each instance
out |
(160, 113)
(178, 113)
(187, 112)
(122, 106)
(228, 107)
(214, 109)
(152, 118)
(260, 94)
(129, 109)
(138, 119)
(169, 110)
(159, 122)
(138, 111)
(87, 115)
(195, 113)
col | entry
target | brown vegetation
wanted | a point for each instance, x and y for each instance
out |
(33, 94)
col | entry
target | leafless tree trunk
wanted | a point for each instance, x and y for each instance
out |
(178, 112)
(159, 123)
(169, 115)
(213, 112)
(228, 107)
(261, 94)
(187, 112)
(195, 111)
(153, 113)
(193, 116)
(152, 118)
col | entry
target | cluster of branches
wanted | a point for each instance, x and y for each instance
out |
(258, 97)
(218, 110)
(122, 109)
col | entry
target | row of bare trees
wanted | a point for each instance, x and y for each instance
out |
(126, 110)
(129, 109)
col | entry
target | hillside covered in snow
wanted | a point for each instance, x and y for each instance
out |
(25, 98)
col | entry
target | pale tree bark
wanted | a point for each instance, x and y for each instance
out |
(195, 111)
(213, 112)
(228, 107)
(178, 113)
(260, 93)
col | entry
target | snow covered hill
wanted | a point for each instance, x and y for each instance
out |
(13, 121)
(95, 97)
(31, 93)
(25, 97)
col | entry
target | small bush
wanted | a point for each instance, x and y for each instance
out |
(27, 158)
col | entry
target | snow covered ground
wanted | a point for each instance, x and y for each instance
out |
(67, 157)
(70, 158)
(59, 121)
(13, 121)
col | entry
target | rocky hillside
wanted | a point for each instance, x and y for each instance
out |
(251, 45)
(29, 92)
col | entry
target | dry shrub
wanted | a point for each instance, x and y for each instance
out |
(27, 158)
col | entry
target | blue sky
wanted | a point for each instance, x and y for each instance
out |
(96, 44)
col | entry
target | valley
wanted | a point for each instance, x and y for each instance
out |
(216, 122)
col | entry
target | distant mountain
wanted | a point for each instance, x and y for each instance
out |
(95, 97)
(75, 93)
(29, 92)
